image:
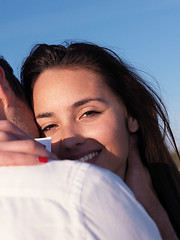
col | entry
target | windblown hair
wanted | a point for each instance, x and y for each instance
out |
(12, 80)
(140, 100)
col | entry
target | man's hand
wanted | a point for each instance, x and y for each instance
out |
(10, 132)
(18, 148)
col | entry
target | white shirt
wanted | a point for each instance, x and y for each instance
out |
(69, 200)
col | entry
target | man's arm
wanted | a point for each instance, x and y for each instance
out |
(70, 200)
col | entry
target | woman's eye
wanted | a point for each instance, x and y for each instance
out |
(49, 127)
(90, 113)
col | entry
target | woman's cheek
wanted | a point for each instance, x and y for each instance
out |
(98, 133)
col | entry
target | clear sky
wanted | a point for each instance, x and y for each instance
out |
(145, 33)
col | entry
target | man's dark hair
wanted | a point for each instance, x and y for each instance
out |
(11, 78)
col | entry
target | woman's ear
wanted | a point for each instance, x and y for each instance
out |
(133, 125)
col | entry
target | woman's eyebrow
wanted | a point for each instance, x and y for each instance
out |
(84, 101)
(75, 105)
(44, 115)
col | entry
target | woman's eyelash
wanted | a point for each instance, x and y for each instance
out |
(47, 128)
(90, 113)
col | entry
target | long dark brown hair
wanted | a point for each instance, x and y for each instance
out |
(140, 100)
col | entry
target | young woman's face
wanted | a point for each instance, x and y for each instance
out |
(85, 119)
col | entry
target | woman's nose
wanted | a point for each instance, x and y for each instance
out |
(71, 137)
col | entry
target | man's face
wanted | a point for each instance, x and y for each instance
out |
(14, 109)
(22, 116)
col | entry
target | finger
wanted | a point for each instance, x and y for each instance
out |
(20, 159)
(7, 136)
(9, 127)
(28, 147)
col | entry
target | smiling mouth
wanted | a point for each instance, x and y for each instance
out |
(89, 158)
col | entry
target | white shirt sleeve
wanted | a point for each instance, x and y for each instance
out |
(69, 200)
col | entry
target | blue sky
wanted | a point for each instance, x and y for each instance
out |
(145, 33)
